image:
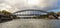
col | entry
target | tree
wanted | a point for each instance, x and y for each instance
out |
(58, 13)
(51, 13)
(0, 11)
(5, 12)
(8, 14)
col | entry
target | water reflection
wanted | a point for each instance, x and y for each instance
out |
(31, 23)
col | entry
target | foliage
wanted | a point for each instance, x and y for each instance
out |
(8, 14)
(51, 13)
(58, 13)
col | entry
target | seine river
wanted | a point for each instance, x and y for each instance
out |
(31, 23)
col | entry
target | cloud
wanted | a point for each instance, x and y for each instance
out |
(23, 4)
(1, 1)
(4, 6)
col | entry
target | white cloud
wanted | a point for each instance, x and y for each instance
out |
(7, 7)
(43, 4)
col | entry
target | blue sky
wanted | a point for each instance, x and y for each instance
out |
(58, 9)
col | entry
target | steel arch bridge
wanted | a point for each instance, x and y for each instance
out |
(31, 10)
(29, 14)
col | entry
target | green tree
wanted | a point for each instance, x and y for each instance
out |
(8, 14)
(0, 11)
(58, 13)
(51, 13)
(5, 12)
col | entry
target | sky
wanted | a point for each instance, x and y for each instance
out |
(15, 5)
(56, 9)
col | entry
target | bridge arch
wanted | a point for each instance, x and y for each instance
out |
(31, 10)
(28, 12)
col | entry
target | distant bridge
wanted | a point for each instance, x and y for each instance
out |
(29, 14)
(31, 10)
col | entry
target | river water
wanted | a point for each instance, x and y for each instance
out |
(31, 23)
